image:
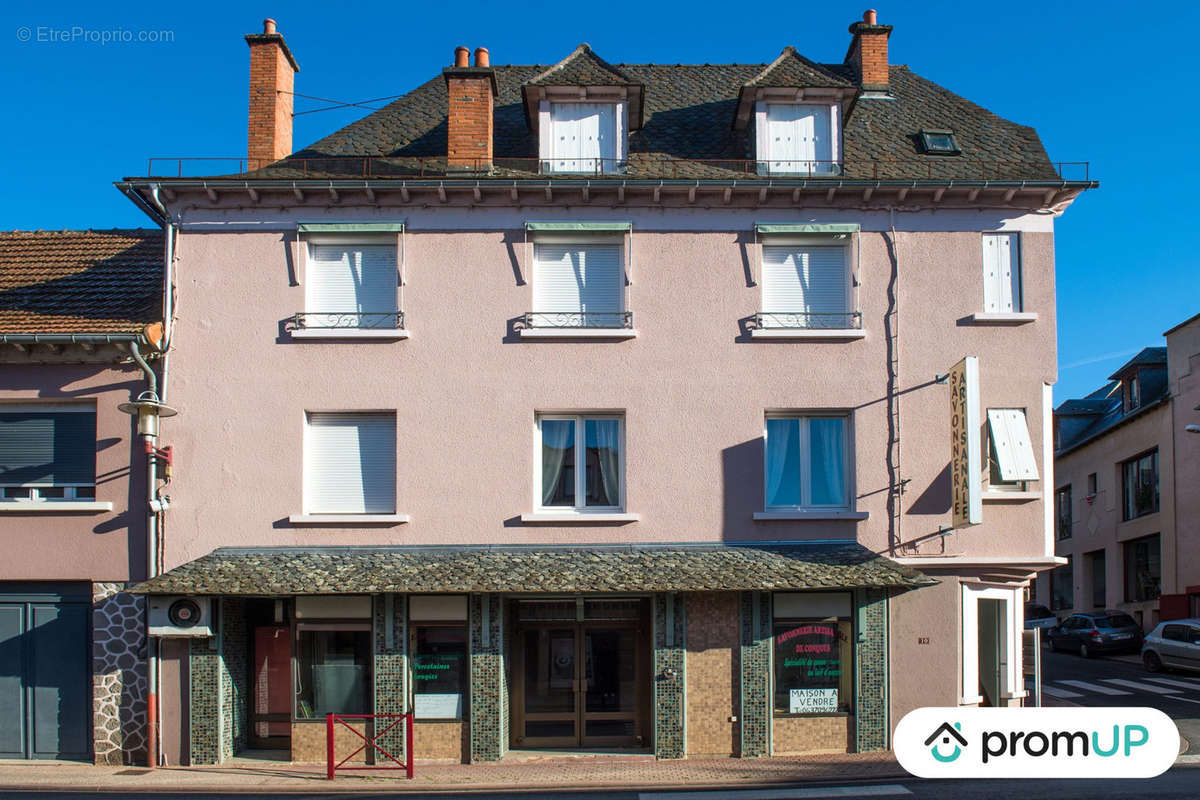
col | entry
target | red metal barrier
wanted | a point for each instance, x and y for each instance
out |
(372, 741)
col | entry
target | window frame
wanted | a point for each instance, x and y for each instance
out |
(1017, 267)
(846, 656)
(804, 440)
(1063, 531)
(333, 626)
(465, 672)
(931, 149)
(1126, 546)
(995, 481)
(33, 492)
(763, 154)
(581, 241)
(305, 471)
(546, 144)
(844, 242)
(307, 241)
(1128, 510)
(580, 422)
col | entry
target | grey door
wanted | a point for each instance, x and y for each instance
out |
(45, 699)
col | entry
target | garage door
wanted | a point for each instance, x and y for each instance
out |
(45, 696)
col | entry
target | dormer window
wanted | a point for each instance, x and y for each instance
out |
(1133, 393)
(798, 138)
(939, 143)
(584, 137)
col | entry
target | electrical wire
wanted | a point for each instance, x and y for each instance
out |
(337, 103)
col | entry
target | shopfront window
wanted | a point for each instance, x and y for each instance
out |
(439, 671)
(813, 666)
(333, 670)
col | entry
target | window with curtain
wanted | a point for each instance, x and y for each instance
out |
(584, 137)
(48, 455)
(581, 462)
(1001, 273)
(1140, 485)
(805, 286)
(806, 462)
(350, 463)
(578, 285)
(351, 286)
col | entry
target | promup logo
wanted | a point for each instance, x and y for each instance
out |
(1036, 742)
(946, 733)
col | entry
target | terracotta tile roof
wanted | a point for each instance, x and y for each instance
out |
(586, 568)
(80, 281)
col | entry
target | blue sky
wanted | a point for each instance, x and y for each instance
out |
(1095, 78)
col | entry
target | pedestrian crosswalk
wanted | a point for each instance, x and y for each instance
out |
(1185, 689)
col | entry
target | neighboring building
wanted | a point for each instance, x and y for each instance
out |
(1125, 503)
(72, 491)
(595, 405)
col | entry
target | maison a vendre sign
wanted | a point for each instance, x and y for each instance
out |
(965, 462)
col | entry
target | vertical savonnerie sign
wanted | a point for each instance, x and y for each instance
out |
(965, 464)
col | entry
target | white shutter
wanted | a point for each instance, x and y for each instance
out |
(800, 137)
(1001, 273)
(782, 119)
(350, 463)
(805, 279)
(1011, 444)
(575, 278)
(351, 279)
(583, 133)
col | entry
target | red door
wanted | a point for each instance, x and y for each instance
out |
(271, 698)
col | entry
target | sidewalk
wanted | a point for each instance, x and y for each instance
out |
(546, 773)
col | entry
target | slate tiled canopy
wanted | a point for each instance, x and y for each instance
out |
(80, 281)
(608, 568)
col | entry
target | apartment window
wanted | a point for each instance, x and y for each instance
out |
(1140, 485)
(585, 137)
(806, 286)
(48, 453)
(1062, 507)
(333, 665)
(1001, 273)
(1132, 391)
(350, 463)
(1097, 573)
(1091, 484)
(439, 671)
(813, 653)
(579, 284)
(797, 138)
(1010, 450)
(582, 462)
(1062, 587)
(1143, 569)
(806, 462)
(352, 285)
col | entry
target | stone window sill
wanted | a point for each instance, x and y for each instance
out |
(568, 334)
(348, 520)
(830, 334)
(1005, 318)
(352, 334)
(579, 518)
(55, 506)
(813, 515)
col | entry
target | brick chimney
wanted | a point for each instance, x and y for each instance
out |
(272, 76)
(868, 52)
(471, 92)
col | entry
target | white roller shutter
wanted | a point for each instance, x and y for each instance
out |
(1012, 446)
(576, 278)
(1001, 273)
(805, 279)
(350, 463)
(351, 279)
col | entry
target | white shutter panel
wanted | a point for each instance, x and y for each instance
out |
(577, 279)
(820, 149)
(567, 142)
(350, 463)
(805, 280)
(351, 279)
(1001, 273)
(1012, 444)
(781, 136)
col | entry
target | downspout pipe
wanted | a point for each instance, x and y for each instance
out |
(151, 568)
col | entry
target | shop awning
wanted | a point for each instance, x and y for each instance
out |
(594, 568)
(806, 228)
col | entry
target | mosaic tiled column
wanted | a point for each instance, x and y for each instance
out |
(670, 680)
(235, 677)
(390, 668)
(204, 702)
(755, 662)
(871, 723)
(118, 675)
(489, 695)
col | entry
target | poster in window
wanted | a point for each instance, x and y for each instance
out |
(811, 664)
(439, 666)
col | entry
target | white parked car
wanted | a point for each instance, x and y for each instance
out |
(1173, 645)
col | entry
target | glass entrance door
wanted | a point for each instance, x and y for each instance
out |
(579, 684)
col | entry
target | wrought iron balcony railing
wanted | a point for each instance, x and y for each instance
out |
(346, 320)
(578, 319)
(813, 320)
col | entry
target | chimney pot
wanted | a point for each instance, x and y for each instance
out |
(461, 55)
(268, 25)
(870, 17)
(482, 58)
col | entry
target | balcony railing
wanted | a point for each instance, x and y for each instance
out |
(578, 319)
(345, 320)
(809, 320)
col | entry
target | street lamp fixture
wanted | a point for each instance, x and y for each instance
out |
(147, 409)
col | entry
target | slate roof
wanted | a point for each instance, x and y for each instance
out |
(586, 568)
(688, 130)
(1106, 406)
(792, 69)
(582, 68)
(1149, 356)
(80, 281)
